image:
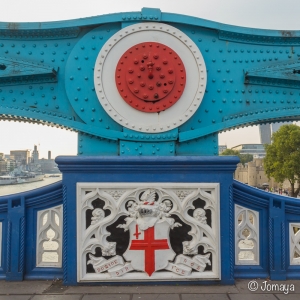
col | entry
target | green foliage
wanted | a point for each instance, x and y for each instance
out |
(244, 158)
(283, 156)
(230, 152)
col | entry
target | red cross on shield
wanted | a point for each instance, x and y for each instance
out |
(149, 250)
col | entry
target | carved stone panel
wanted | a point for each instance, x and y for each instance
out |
(246, 236)
(294, 243)
(49, 237)
(147, 231)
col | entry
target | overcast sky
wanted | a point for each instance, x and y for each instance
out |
(269, 14)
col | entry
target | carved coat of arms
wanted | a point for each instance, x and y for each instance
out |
(148, 233)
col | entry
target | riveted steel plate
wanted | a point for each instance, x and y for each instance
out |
(150, 77)
(163, 119)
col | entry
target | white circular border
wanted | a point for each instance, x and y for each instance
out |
(113, 103)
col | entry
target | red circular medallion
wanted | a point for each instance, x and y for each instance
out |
(150, 77)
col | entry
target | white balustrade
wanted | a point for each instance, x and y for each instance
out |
(246, 236)
(49, 237)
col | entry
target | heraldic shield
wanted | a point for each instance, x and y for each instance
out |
(149, 233)
(149, 250)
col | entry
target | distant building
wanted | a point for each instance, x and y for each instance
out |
(48, 166)
(42, 165)
(266, 131)
(35, 154)
(253, 174)
(257, 150)
(6, 164)
(2, 167)
(222, 148)
(20, 156)
(10, 165)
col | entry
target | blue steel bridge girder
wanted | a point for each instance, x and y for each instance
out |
(47, 77)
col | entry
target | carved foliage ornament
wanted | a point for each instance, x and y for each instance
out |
(147, 232)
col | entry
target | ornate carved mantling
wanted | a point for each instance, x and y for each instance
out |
(152, 231)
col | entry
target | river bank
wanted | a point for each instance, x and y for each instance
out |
(18, 188)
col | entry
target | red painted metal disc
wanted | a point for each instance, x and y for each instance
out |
(150, 77)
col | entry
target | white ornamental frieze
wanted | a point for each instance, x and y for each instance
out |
(149, 232)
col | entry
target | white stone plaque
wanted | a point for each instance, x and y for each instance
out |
(147, 231)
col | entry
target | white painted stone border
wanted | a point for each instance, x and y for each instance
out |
(96, 188)
(254, 231)
(40, 235)
(124, 114)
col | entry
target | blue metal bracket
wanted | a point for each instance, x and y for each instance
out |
(15, 72)
(281, 75)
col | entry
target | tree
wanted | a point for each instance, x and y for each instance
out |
(282, 159)
(244, 158)
(230, 152)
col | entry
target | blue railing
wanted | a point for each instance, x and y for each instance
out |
(276, 213)
(19, 218)
(18, 214)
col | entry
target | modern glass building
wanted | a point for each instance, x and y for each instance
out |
(266, 131)
(257, 150)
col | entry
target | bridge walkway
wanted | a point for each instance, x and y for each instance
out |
(54, 290)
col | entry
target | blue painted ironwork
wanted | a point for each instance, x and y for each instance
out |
(276, 212)
(19, 237)
(18, 214)
(252, 79)
(280, 75)
(16, 72)
(148, 169)
(46, 76)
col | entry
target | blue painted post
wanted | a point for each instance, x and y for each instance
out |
(15, 239)
(149, 169)
(277, 240)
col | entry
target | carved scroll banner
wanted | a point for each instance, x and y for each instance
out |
(180, 270)
(127, 268)
(184, 264)
(102, 265)
(198, 262)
